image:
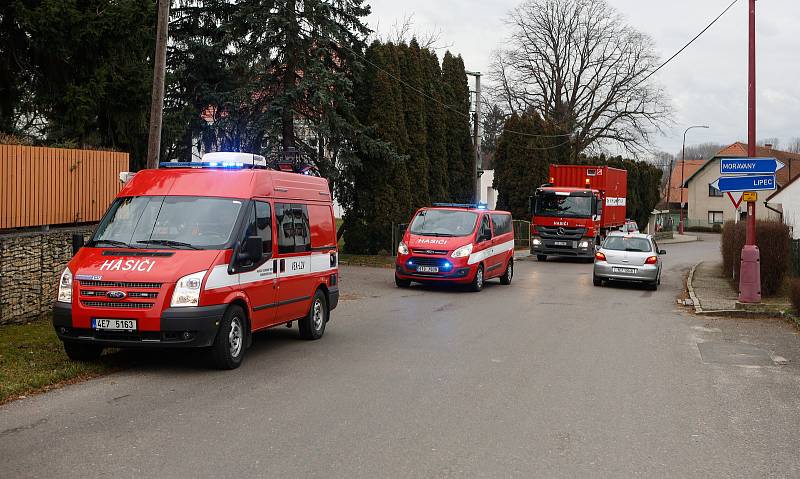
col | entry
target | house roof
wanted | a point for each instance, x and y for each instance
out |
(673, 194)
(739, 150)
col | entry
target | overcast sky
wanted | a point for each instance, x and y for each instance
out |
(707, 82)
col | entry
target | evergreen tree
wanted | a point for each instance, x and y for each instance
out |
(460, 153)
(435, 124)
(521, 163)
(379, 193)
(415, 126)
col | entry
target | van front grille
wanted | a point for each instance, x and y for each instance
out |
(116, 305)
(119, 284)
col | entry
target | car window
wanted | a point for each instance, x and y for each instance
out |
(502, 224)
(627, 243)
(486, 227)
(264, 225)
(294, 232)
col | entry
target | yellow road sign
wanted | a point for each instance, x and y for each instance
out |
(750, 196)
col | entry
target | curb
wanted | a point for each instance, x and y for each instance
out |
(729, 313)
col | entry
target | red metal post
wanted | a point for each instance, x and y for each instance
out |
(750, 271)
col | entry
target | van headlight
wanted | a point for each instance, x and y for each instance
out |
(537, 241)
(187, 290)
(463, 251)
(584, 244)
(402, 248)
(65, 287)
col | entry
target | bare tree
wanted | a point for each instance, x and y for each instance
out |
(794, 145)
(702, 151)
(402, 31)
(774, 142)
(580, 66)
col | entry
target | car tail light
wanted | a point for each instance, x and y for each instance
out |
(651, 260)
(599, 256)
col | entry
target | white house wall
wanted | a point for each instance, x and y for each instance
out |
(789, 201)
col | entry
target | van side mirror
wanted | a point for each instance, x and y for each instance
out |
(662, 252)
(77, 243)
(252, 250)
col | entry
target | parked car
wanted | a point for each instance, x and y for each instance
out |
(629, 257)
(629, 227)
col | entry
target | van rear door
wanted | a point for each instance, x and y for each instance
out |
(295, 282)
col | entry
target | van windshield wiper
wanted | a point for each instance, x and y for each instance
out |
(435, 235)
(174, 244)
(110, 242)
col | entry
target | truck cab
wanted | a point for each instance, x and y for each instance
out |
(566, 222)
(201, 255)
(577, 208)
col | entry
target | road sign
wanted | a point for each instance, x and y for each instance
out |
(749, 166)
(750, 196)
(736, 198)
(745, 183)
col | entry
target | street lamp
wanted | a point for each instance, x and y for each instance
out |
(683, 169)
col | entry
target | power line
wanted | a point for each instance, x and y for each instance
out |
(688, 44)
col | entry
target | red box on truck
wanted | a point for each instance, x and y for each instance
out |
(576, 209)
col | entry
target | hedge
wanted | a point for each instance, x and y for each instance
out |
(794, 294)
(772, 238)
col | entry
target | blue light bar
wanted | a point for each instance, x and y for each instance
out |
(472, 206)
(228, 165)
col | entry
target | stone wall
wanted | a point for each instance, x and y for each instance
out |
(30, 267)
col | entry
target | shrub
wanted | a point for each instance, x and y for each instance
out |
(772, 238)
(794, 294)
(704, 229)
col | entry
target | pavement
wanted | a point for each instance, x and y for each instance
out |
(679, 238)
(548, 377)
(713, 293)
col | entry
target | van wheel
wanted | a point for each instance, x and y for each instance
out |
(82, 352)
(402, 283)
(229, 345)
(541, 257)
(313, 325)
(509, 274)
(477, 282)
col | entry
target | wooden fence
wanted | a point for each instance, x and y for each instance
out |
(55, 186)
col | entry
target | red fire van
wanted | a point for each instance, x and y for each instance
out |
(464, 244)
(202, 255)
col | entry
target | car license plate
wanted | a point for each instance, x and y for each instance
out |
(561, 243)
(114, 324)
(427, 269)
(624, 270)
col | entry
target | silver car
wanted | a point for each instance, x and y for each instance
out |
(629, 257)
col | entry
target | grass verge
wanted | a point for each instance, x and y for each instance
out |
(32, 360)
(374, 261)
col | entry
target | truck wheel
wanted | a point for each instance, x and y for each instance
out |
(402, 283)
(313, 325)
(597, 281)
(509, 274)
(541, 257)
(82, 352)
(229, 345)
(477, 282)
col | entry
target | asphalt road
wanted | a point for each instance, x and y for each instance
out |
(548, 377)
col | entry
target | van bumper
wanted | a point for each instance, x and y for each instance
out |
(180, 328)
(333, 298)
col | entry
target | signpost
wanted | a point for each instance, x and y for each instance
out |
(749, 166)
(745, 183)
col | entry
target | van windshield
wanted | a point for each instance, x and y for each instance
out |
(444, 223)
(550, 204)
(175, 222)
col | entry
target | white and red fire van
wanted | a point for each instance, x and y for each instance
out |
(202, 255)
(463, 244)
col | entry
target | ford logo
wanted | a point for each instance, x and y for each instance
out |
(116, 294)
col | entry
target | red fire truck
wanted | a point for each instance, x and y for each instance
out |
(201, 255)
(576, 209)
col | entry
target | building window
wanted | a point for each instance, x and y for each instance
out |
(715, 218)
(713, 191)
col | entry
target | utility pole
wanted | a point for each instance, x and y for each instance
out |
(750, 271)
(476, 131)
(157, 99)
